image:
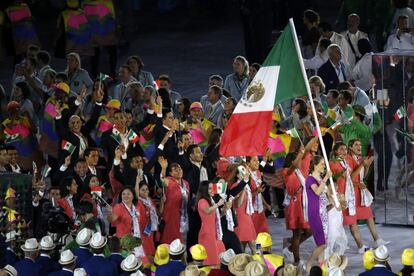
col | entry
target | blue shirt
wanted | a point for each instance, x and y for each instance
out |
(82, 255)
(98, 265)
(172, 268)
(27, 267)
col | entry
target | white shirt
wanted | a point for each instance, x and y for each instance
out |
(354, 40)
(362, 73)
(203, 171)
(339, 72)
(317, 61)
(341, 42)
(405, 42)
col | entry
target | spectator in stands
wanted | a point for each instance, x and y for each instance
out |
(43, 63)
(362, 72)
(334, 71)
(253, 69)
(136, 64)
(403, 38)
(311, 35)
(320, 58)
(78, 78)
(353, 35)
(166, 83)
(237, 82)
(327, 32)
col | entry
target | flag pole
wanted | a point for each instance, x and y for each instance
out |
(318, 129)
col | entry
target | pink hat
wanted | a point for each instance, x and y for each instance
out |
(196, 105)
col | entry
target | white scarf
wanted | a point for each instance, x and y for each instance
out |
(302, 181)
(219, 230)
(153, 213)
(349, 189)
(362, 171)
(134, 219)
(229, 215)
(183, 210)
(258, 201)
(249, 205)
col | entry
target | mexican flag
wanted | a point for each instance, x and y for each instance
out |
(293, 133)
(132, 136)
(66, 145)
(103, 77)
(219, 188)
(116, 135)
(280, 78)
(400, 113)
(96, 190)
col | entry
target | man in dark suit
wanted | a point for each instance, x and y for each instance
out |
(381, 257)
(167, 123)
(334, 71)
(79, 172)
(76, 133)
(194, 172)
(118, 136)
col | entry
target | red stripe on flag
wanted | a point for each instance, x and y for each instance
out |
(246, 134)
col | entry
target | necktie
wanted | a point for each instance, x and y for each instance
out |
(122, 92)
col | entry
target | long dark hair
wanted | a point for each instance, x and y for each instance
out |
(303, 110)
(134, 199)
(290, 157)
(335, 148)
(202, 192)
(315, 161)
(87, 181)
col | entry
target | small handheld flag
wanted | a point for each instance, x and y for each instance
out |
(46, 171)
(116, 135)
(400, 113)
(66, 145)
(219, 188)
(103, 77)
(132, 136)
(294, 134)
(97, 190)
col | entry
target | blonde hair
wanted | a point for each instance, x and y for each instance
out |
(318, 82)
(245, 63)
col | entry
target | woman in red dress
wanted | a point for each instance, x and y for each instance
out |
(148, 219)
(211, 234)
(243, 204)
(341, 171)
(259, 203)
(294, 212)
(68, 189)
(125, 215)
(359, 170)
(311, 149)
(92, 181)
(175, 206)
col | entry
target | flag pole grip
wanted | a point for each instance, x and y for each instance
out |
(315, 117)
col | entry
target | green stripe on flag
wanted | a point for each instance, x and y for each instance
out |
(291, 83)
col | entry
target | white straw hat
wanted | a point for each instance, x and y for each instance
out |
(30, 245)
(176, 247)
(97, 241)
(67, 257)
(131, 263)
(84, 236)
(47, 243)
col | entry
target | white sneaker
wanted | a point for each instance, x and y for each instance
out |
(288, 256)
(380, 242)
(363, 249)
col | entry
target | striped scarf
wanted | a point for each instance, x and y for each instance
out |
(219, 230)
(153, 213)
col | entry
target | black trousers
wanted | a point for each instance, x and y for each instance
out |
(383, 148)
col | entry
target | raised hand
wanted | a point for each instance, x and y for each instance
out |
(163, 162)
